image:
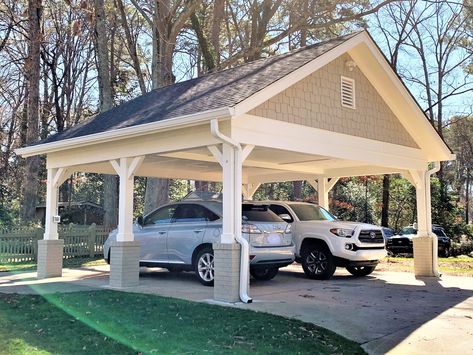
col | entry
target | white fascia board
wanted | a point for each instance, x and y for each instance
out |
(287, 81)
(416, 122)
(128, 132)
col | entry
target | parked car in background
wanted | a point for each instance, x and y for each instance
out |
(387, 233)
(179, 237)
(323, 242)
(402, 243)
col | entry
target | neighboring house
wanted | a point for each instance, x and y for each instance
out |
(75, 212)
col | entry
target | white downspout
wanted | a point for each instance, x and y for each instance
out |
(428, 175)
(245, 250)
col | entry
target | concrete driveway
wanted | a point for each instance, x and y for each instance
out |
(388, 312)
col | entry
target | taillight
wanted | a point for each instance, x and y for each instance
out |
(250, 229)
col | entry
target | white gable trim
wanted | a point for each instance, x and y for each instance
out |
(421, 130)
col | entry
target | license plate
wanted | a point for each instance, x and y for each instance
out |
(274, 239)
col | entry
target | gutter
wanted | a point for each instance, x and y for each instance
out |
(122, 133)
(245, 250)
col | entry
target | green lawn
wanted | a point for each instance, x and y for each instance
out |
(454, 265)
(69, 263)
(110, 322)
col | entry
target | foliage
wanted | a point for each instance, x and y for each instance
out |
(428, 44)
(110, 322)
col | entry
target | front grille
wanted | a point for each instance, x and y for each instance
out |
(374, 236)
(398, 242)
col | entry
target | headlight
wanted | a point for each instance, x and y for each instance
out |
(288, 229)
(342, 232)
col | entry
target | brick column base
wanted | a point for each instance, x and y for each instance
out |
(124, 264)
(50, 253)
(423, 258)
(227, 272)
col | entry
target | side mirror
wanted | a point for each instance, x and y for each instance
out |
(286, 217)
(140, 221)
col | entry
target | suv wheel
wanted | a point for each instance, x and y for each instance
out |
(204, 267)
(360, 270)
(445, 253)
(317, 262)
(264, 274)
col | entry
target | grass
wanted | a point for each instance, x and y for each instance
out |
(110, 322)
(69, 263)
(456, 266)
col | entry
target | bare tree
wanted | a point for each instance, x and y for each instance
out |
(32, 72)
(106, 103)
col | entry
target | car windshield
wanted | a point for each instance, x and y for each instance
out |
(311, 212)
(259, 213)
(408, 230)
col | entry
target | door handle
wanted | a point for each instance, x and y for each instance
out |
(198, 230)
(162, 232)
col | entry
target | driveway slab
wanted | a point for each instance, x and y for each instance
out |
(387, 312)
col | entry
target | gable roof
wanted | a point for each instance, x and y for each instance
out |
(212, 91)
(236, 91)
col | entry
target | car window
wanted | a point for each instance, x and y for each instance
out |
(190, 212)
(311, 212)
(160, 216)
(279, 210)
(439, 232)
(408, 230)
(259, 213)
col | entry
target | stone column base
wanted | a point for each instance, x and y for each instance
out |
(423, 257)
(227, 272)
(124, 264)
(50, 254)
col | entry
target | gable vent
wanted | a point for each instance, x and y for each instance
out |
(348, 92)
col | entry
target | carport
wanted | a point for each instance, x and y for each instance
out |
(319, 113)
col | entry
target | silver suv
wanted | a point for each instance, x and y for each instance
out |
(179, 237)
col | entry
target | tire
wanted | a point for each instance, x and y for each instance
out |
(204, 267)
(264, 274)
(360, 271)
(317, 262)
(445, 253)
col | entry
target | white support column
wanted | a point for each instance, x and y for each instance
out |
(229, 203)
(50, 249)
(425, 242)
(125, 251)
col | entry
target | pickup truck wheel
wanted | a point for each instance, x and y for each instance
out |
(360, 270)
(204, 267)
(264, 274)
(317, 262)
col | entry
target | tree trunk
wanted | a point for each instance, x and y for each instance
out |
(30, 184)
(297, 187)
(110, 199)
(157, 193)
(385, 208)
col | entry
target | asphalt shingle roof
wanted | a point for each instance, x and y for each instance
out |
(212, 91)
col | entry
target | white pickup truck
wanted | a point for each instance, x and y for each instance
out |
(323, 242)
